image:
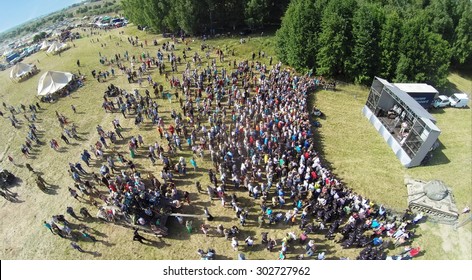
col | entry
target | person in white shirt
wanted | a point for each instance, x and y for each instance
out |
(249, 241)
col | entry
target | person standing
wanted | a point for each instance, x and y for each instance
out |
(48, 226)
(188, 225)
(204, 229)
(207, 214)
(71, 212)
(63, 137)
(193, 163)
(73, 193)
(85, 213)
(234, 243)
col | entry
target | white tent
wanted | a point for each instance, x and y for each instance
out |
(56, 47)
(45, 45)
(21, 69)
(52, 81)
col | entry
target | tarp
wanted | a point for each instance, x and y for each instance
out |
(20, 69)
(52, 81)
(56, 47)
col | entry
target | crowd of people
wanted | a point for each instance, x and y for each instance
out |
(256, 124)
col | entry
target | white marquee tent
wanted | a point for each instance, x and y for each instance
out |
(56, 47)
(52, 81)
(21, 69)
(45, 45)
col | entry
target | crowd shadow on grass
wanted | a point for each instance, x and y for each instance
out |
(10, 196)
(16, 183)
(51, 189)
(94, 254)
(104, 242)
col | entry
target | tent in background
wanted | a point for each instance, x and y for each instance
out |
(45, 45)
(52, 81)
(57, 47)
(21, 70)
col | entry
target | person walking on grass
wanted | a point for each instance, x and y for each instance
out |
(73, 193)
(64, 138)
(71, 212)
(234, 243)
(48, 226)
(85, 213)
(204, 229)
(188, 225)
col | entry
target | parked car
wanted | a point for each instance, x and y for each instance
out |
(457, 100)
(441, 101)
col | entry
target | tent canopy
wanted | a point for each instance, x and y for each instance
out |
(45, 45)
(20, 69)
(56, 47)
(52, 81)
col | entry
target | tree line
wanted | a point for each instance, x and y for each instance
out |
(204, 16)
(355, 40)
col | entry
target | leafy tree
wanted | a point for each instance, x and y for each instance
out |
(256, 12)
(424, 55)
(439, 14)
(39, 37)
(297, 38)
(364, 61)
(191, 15)
(335, 37)
(462, 46)
(389, 45)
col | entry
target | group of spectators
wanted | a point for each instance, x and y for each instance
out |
(255, 123)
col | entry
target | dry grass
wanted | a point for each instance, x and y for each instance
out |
(358, 155)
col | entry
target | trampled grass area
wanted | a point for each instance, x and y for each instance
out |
(356, 152)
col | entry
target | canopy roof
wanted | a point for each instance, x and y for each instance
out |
(52, 81)
(45, 45)
(56, 46)
(20, 69)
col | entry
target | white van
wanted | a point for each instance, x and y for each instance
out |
(457, 100)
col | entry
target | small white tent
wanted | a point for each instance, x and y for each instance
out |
(20, 70)
(57, 47)
(45, 45)
(52, 81)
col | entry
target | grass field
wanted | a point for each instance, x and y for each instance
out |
(355, 151)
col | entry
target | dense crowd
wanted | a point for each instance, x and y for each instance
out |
(256, 124)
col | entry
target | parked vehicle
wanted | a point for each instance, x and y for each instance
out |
(457, 100)
(441, 101)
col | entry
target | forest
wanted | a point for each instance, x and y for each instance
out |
(353, 40)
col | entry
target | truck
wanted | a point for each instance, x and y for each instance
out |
(457, 100)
